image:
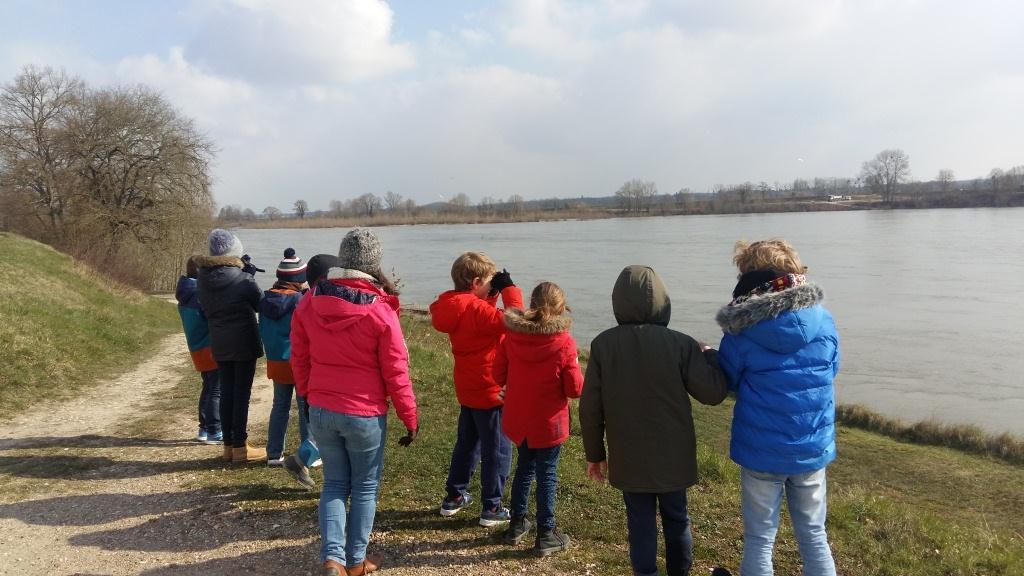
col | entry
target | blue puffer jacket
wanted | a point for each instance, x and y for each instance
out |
(275, 317)
(781, 353)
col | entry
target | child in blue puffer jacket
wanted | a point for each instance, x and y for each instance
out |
(197, 337)
(780, 351)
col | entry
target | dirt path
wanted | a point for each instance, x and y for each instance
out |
(113, 483)
(88, 495)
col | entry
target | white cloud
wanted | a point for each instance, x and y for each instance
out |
(313, 41)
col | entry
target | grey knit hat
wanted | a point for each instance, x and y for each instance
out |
(224, 243)
(360, 250)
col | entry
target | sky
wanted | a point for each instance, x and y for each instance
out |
(331, 99)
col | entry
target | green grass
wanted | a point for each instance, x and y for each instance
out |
(63, 326)
(895, 508)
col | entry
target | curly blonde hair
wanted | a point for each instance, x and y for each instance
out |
(775, 253)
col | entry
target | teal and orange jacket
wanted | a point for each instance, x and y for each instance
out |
(275, 312)
(193, 321)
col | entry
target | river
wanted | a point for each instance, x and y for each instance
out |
(925, 300)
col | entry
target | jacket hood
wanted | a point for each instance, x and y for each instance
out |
(219, 271)
(515, 321)
(187, 290)
(780, 321)
(446, 311)
(639, 297)
(339, 304)
(535, 342)
(276, 305)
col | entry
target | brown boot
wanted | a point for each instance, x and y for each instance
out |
(247, 454)
(369, 564)
(227, 453)
(332, 568)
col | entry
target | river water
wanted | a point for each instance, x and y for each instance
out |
(925, 300)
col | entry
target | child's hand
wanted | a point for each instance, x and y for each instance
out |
(500, 281)
(501, 394)
(404, 441)
(597, 471)
(704, 347)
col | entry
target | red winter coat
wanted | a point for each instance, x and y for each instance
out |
(348, 353)
(475, 328)
(536, 362)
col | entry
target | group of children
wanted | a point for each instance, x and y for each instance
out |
(516, 369)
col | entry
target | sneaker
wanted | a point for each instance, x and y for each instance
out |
(213, 439)
(201, 437)
(494, 517)
(550, 541)
(299, 472)
(518, 528)
(275, 461)
(452, 505)
(317, 463)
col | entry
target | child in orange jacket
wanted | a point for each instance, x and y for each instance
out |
(475, 326)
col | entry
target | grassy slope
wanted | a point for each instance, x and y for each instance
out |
(63, 326)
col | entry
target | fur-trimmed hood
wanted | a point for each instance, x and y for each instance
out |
(204, 261)
(795, 313)
(515, 321)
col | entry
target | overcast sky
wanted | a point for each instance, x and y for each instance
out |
(330, 99)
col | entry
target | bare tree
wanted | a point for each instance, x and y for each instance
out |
(272, 213)
(367, 204)
(34, 159)
(460, 202)
(635, 195)
(301, 207)
(393, 201)
(515, 204)
(945, 178)
(886, 171)
(336, 208)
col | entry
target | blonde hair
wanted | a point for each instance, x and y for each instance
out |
(470, 265)
(546, 301)
(775, 253)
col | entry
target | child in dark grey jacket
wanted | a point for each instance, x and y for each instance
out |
(636, 394)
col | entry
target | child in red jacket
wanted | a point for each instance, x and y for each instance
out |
(537, 365)
(475, 326)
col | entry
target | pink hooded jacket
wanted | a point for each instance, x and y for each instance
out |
(348, 351)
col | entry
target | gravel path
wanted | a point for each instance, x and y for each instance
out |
(82, 495)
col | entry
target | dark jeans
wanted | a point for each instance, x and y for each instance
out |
(235, 390)
(643, 532)
(209, 403)
(480, 439)
(542, 463)
(280, 413)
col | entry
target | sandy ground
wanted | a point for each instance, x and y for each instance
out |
(84, 496)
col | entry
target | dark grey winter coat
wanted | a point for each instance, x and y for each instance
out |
(229, 298)
(637, 391)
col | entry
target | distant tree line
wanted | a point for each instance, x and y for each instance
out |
(114, 176)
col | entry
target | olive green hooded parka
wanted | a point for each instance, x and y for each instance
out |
(637, 390)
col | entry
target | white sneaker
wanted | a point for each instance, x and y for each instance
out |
(318, 463)
(201, 436)
(276, 462)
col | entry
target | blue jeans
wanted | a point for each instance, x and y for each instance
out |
(541, 463)
(209, 403)
(480, 439)
(641, 520)
(280, 412)
(352, 449)
(235, 391)
(762, 498)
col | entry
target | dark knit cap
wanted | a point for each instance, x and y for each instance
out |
(754, 279)
(292, 268)
(319, 265)
(360, 250)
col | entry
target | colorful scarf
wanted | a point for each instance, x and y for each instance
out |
(779, 284)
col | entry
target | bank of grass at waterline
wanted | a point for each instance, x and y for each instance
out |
(63, 326)
(895, 508)
(967, 438)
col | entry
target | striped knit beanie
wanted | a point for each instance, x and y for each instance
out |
(292, 268)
